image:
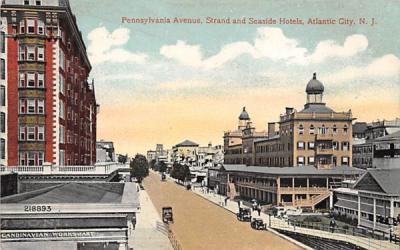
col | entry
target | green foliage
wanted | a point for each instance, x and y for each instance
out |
(180, 172)
(162, 167)
(139, 167)
(312, 219)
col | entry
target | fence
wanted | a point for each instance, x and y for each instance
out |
(365, 240)
(74, 169)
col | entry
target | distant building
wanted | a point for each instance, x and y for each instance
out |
(374, 200)
(185, 152)
(359, 130)
(105, 151)
(151, 155)
(381, 140)
(316, 135)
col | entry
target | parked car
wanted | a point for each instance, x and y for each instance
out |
(244, 214)
(258, 224)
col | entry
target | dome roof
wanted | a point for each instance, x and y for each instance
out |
(244, 115)
(314, 86)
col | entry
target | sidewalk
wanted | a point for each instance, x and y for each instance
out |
(276, 223)
(150, 232)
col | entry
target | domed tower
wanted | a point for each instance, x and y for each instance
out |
(244, 118)
(314, 90)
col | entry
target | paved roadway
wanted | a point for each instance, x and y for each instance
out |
(200, 224)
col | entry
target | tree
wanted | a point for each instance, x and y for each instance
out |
(153, 164)
(122, 158)
(162, 167)
(180, 172)
(139, 167)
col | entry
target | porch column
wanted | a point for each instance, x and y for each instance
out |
(359, 209)
(293, 194)
(374, 213)
(391, 208)
(308, 189)
(327, 183)
(330, 200)
(278, 190)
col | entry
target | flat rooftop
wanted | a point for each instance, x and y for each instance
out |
(76, 192)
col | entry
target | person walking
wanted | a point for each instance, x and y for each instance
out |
(226, 201)
(259, 209)
(332, 225)
(238, 202)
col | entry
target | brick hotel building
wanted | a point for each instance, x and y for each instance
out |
(48, 108)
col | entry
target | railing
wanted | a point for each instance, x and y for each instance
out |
(324, 151)
(302, 190)
(368, 241)
(53, 169)
(324, 137)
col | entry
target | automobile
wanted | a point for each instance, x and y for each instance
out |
(278, 211)
(258, 224)
(167, 215)
(244, 214)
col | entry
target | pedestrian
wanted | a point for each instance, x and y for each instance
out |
(254, 206)
(259, 209)
(332, 225)
(226, 201)
(238, 202)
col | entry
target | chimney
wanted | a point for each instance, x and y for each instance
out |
(271, 129)
(289, 110)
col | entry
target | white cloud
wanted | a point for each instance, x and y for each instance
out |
(105, 46)
(180, 84)
(183, 53)
(328, 49)
(387, 66)
(269, 43)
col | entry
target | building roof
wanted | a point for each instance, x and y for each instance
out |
(393, 136)
(388, 179)
(187, 143)
(244, 115)
(72, 192)
(301, 170)
(314, 86)
(359, 127)
(319, 108)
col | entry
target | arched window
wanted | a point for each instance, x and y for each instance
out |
(301, 129)
(312, 129)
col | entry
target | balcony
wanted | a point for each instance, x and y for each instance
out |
(324, 137)
(302, 190)
(324, 151)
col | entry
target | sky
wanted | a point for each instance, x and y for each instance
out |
(167, 82)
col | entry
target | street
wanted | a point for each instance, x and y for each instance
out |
(199, 224)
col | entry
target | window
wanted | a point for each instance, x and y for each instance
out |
(2, 122)
(323, 130)
(41, 106)
(31, 133)
(345, 160)
(31, 53)
(22, 26)
(345, 129)
(2, 41)
(311, 145)
(22, 106)
(334, 130)
(38, 2)
(22, 133)
(31, 26)
(31, 158)
(62, 133)
(40, 77)
(22, 53)
(40, 54)
(62, 109)
(62, 157)
(40, 158)
(40, 133)
(300, 145)
(62, 85)
(3, 95)
(40, 27)
(2, 148)
(311, 160)
(26, 2)
(345, 146)
(62, 59)
(301, 129)
(300, 160)
(3, 69)
(31, 80)
(312, 129)
(31, 106)
(21, 80)
(335, 145)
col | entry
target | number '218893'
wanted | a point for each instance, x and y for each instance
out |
(37, 208)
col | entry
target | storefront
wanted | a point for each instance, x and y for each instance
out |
(70, 216)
